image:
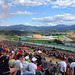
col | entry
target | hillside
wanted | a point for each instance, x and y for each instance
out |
(58, 28)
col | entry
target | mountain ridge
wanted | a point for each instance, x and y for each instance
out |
(21, 27)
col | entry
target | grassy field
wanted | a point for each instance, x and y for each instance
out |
(46, 42)
(32, 39)
(8, 37)
(2, 37)
(61, 37)
(73, 42)
(11, 37)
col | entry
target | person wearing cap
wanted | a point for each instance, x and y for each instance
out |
(26, 63)
(39, 57)
(21, 50)
(44, 59)
(19, 66)
(33, 66)
(11, 61)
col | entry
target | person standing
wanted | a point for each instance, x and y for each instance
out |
(72, 66)
(39, 57)
(63, 67)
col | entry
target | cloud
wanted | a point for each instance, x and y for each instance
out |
(56, 18)
(27, 24)
(54, 4)
(21, 13)
(2, 17)
(7, 4)
(4, 6)
(31, 2)
(63, 3)
(1, 2)
(51, 24)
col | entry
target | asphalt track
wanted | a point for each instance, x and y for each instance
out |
(60, 47)
(72, 49)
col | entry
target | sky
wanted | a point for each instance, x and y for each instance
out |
(37, 12)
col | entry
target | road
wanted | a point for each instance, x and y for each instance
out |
(46, 45)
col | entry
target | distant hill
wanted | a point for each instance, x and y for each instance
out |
(21, 27)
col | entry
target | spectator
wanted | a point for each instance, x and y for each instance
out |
(39, 57)
(19, 66)
(44, 59)
(63, 67)
(40, 70)
(72, 66)
(54, 70)
(68, 69)
(6, 67)
(11, 63)
(33, 66)
(26, 63)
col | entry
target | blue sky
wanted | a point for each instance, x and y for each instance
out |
(37, 12)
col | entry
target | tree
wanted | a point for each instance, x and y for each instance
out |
(58, 41)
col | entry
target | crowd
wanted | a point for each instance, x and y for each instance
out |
(16, 61)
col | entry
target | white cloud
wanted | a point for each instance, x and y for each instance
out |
(31, 2)
(1, 2)
(2, 17)
(63, 3)
(27, 24)
(19, 13)
(6, 4)
(55, 4)
(56, 18)
(6, 14)
(51, 24)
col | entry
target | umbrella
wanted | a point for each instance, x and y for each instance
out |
(25, 47)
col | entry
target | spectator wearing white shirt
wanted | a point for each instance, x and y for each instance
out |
(33, 66)
(63, 66)
(19, 66)
(72, 66)
(26, 63)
